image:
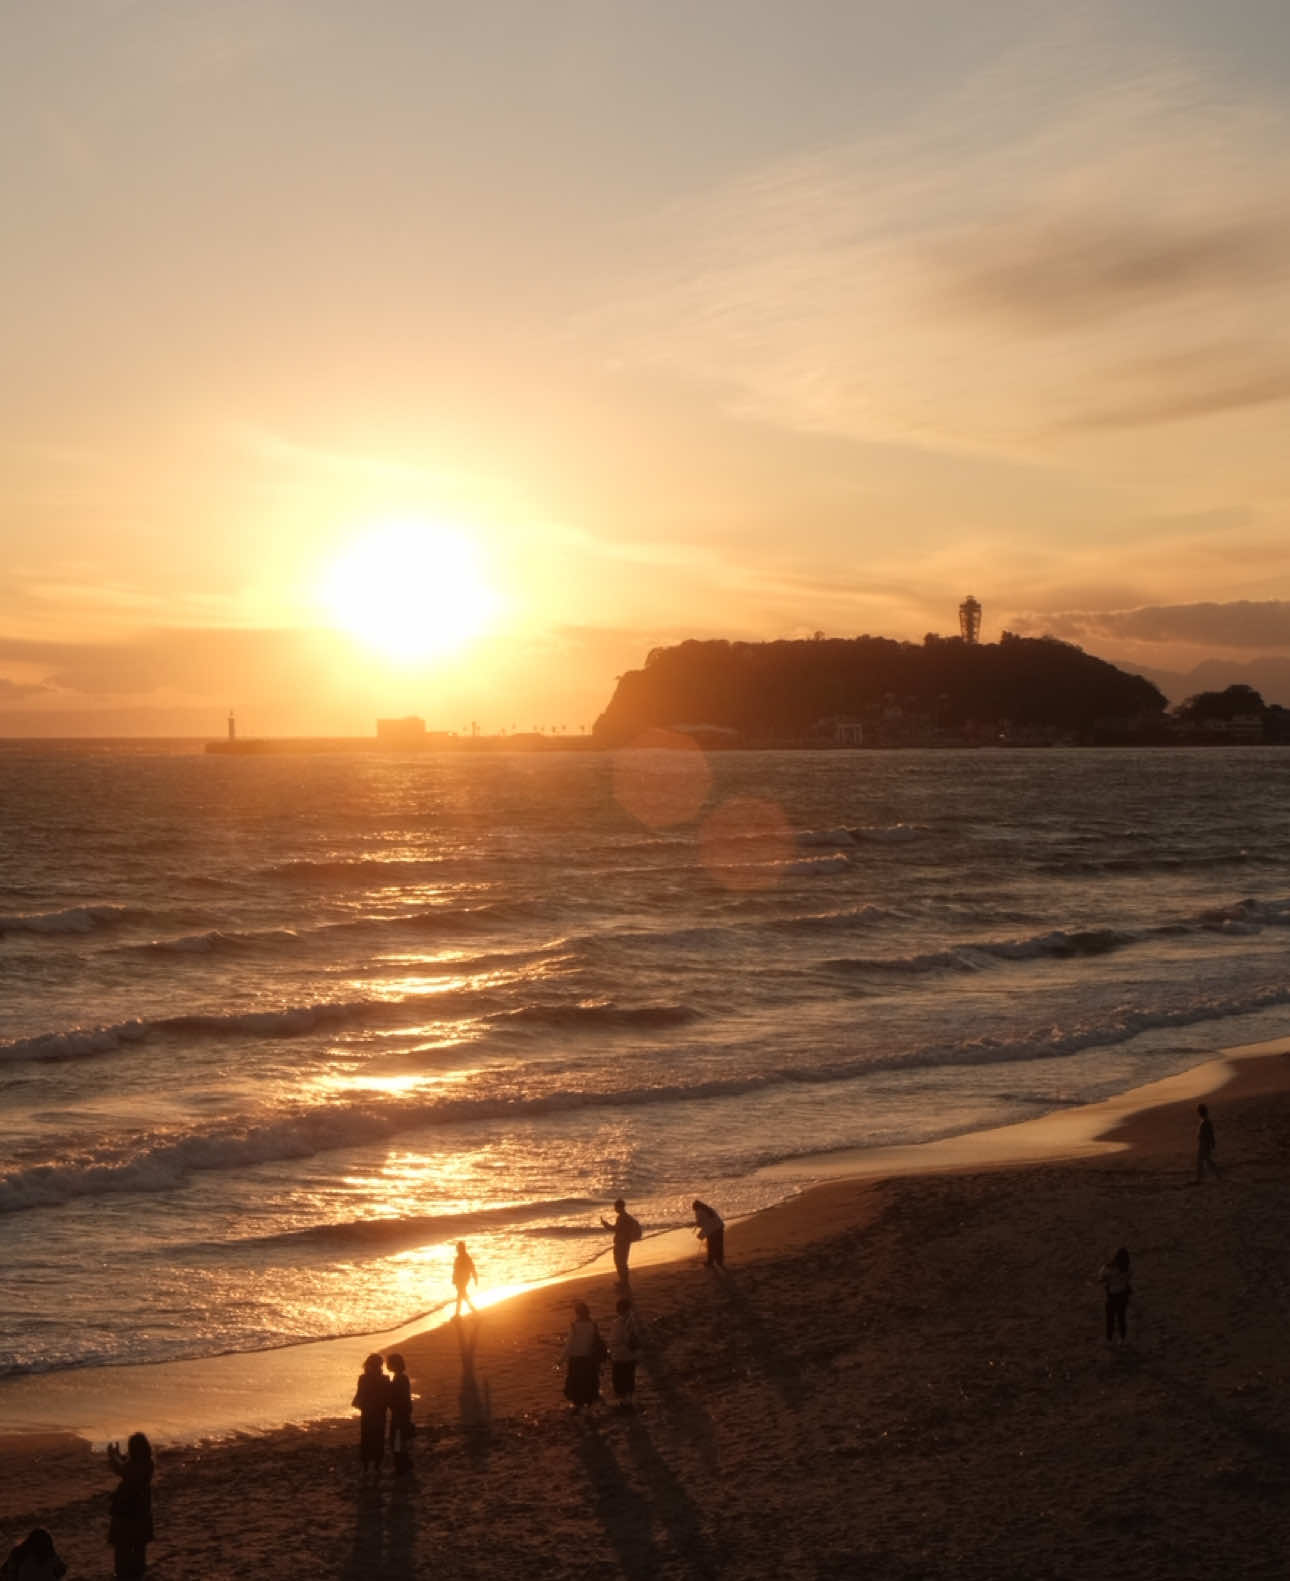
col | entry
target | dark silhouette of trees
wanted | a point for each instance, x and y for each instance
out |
(782, 690)
(1232, 702)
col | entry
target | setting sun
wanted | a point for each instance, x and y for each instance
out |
(412, 590)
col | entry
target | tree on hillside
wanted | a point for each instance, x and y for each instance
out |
(1232, 702)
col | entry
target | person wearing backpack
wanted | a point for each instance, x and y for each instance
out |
(710, 1227)
(584, 1352)
(625, 1350)
(626, 1230)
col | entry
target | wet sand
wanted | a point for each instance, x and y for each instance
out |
(899, 1375)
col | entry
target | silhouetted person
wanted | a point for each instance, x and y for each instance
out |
(130, 1510)
(711, 1228)
(626, 1231)
(401, 1428)
(34, 1559)
(584, 1350)
(1205, 1143)
(1118, 1286)
(463, 1271)
(625, 1351)
(372, 1398)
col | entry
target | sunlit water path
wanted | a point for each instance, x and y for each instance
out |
(275, 1032)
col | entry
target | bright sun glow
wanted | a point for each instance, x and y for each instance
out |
(412, 590)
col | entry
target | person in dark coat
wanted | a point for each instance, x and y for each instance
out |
(401, 1429)
(627, 1231)
(625, 1349)
(130, 1524)
(372, 1399)
(584, 1351)
(1118, 1284)
(1206, 1142)
(710, 1227)
(34, 1559)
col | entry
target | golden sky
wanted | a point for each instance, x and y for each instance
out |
(417, 357)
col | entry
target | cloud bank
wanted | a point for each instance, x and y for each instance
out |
(1241, 624)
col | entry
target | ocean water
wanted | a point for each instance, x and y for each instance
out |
(276, 1032)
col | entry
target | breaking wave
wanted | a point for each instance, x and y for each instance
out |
(72, 919)
(162, 1164)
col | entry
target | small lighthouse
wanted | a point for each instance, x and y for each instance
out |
(232, 726)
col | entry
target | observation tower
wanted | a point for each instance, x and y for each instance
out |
(970, 620)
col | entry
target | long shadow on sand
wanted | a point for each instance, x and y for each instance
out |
(385, 1534)
(771, 1355)
(676, 1509)
(630, 1517)
(474, 1399)
(623, 1512)
(685, 1415)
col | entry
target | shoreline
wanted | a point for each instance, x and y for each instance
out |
(899, 1375)
(300, 1385)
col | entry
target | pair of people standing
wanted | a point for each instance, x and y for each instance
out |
(376, 1398)
(709, 1226)
(1115, 1274)
(585, 1352)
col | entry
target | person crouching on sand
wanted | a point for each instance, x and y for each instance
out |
(463, 1271)
(130, 1524)
(1118, 1286)
(372, 1400)
(401, 1428)
(584, 1351)
(710, 1228)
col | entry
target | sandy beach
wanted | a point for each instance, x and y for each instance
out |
(900, 1374)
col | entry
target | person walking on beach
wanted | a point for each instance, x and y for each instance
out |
(372, 1400)
(463, 1271)
(1118, 1286)
(1205, 1144)
(626, 1230)
(625, 1352)
(401, 1428)
(130, 1510)
(34, 1559)
(710, 1227)
(584, 1351)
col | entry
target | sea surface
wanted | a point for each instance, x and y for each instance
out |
(275, 1032)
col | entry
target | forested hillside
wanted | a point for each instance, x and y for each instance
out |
(788, 691)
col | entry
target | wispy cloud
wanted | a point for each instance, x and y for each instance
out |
(1042, 274)
(991, 280)
(15, 691)
(1200, 383)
